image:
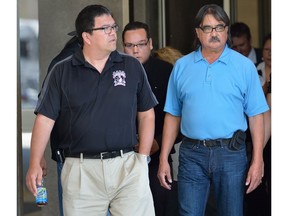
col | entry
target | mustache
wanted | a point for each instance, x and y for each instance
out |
(214, 39)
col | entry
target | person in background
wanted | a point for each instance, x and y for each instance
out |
(264, 70)
(171, 55)
(95, 96)
(210, 92)
(138, 43)
(242, 42)
(258, 203)
(264, 67)
(168, 54)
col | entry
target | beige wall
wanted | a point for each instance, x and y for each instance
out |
(247, 12)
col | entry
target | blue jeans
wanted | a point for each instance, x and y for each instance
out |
(59, 170)
(225, 170)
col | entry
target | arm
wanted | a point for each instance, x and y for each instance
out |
(40, 137)
(155, 147)
(170, 132)
(256, 170)
(267, 120)
(146, 127)
(43, 165)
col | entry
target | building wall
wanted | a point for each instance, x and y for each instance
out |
(247, 12)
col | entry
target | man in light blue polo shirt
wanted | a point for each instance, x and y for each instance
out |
(210, 92)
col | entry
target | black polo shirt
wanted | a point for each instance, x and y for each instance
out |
(95, 112)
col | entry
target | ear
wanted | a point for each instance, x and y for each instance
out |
(150, 43)
(86, 37)
(197, 32)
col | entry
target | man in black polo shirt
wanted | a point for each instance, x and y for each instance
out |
(95, 96)
(138, 43)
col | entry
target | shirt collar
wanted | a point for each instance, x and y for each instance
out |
(223, 57)
(78, 58)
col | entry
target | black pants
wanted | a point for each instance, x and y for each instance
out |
(165, 201)
(258, 202)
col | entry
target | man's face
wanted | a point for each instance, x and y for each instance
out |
(137, 44)
(214, 40)
(241, 44)
(99, 39)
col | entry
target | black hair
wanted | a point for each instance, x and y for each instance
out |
(217, 12)
(266, 38)
(134, 26)
(85, 19)
(240, 29)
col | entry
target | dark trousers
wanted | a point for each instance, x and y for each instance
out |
(258, 202)
(165, 201)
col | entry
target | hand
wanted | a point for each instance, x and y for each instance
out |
(33, 178)
(43, 164)
(255, 175)
(164, 175)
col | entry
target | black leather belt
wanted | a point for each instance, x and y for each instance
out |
(208, 143)
(102, 155)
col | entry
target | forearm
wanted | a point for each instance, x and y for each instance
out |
(170, 133)
(256, 124)
(267, 120)
(40, 137)
(146, 127)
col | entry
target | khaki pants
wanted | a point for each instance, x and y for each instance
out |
(91, 186)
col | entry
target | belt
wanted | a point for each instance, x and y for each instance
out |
(102, 155)
(208, 143)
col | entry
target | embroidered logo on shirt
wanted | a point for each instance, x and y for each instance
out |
(119, 78)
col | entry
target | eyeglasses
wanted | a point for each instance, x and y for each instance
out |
(139, 45)
(209, 29)
(107, 29)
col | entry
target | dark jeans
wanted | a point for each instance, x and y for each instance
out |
(200, 167)
(59, 170)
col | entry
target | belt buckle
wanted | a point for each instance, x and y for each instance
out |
(204, 143)
(101, 154)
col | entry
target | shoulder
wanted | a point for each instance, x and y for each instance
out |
(188, 57)
(120, 56)
(70, 48)
(161, 63)
(239, 58)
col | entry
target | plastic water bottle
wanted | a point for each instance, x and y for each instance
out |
(41, 198)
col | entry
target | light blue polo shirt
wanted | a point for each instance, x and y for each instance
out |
(212, 99)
